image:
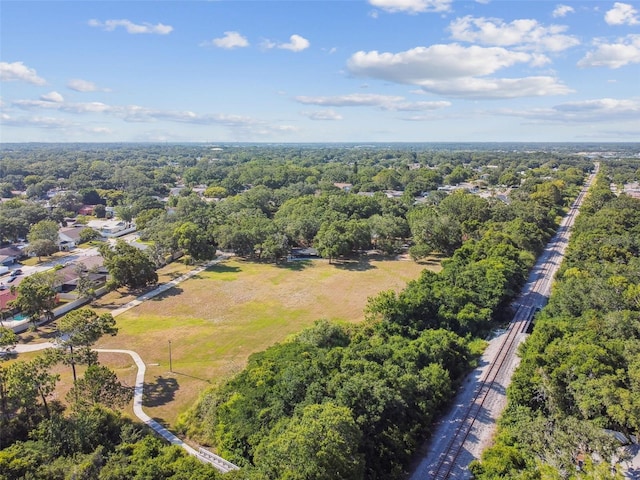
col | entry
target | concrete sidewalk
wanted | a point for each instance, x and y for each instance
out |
(202, 454)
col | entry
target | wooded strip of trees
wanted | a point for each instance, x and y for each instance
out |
(579, 378)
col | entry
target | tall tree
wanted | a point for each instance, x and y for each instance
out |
(332, 241)
(8, 341)
(44, 230)
(321, 444)
(79, 330)
(30, 382)
(128, 266)
(43, 238)
(99, 385)
(36, 296)
(195, 241)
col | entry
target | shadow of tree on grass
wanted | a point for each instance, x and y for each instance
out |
(222, 268)
(172, 292)
(294, 265)
(354, 265)
(161, 391)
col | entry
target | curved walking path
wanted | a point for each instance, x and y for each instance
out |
(218, 462)
(202, 454)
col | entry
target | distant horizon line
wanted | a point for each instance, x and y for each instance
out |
(363, 143)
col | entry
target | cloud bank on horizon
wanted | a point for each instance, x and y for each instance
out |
(376, 70)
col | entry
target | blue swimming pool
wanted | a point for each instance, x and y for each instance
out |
(18, 317)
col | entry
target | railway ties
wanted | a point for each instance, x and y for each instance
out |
(448, 459)
(449, 456)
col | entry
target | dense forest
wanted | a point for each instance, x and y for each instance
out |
(579, 379)
(335, 401)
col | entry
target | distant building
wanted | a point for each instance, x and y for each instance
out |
(393, 193)
(345, 187)
(86, 210)
(112, 227)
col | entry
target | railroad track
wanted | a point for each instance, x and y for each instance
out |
(534, 295)
(447, 461)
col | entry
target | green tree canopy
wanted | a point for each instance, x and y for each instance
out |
(79, 330)
(36, 295)
(128, 266)
(320, 444)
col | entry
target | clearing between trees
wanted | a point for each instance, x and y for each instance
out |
(218, 318)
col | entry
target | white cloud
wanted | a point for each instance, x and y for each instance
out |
(322, 115)
(99, 130)
(52, 97)
(496, 88)
(385, 102)
(138, 114)
(230, 41)
(562, 10)
(130, 27)
(622, 14)
(419, 106)
(524, 33)
(80, 85)
(422, 64)
(352, 100)
(412, 6)
(296, 44)
(267, 44)
(90, 107)
(18, 71)
(454, 70)
(35, 121)
(609, 106)
(585, 111)
(613, 55)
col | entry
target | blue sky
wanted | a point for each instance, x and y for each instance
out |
(319, 71)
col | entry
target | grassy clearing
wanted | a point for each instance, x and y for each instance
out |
(221, 316)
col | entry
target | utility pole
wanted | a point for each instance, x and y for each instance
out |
(170, 363)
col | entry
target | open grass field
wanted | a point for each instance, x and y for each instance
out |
(215, 320)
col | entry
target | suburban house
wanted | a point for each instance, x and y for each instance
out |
(6, 296)
(303, 253)
(112, 227)
(345, 187)
(90, 267)
(86, 210)
(69, 237)
(10, 255)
